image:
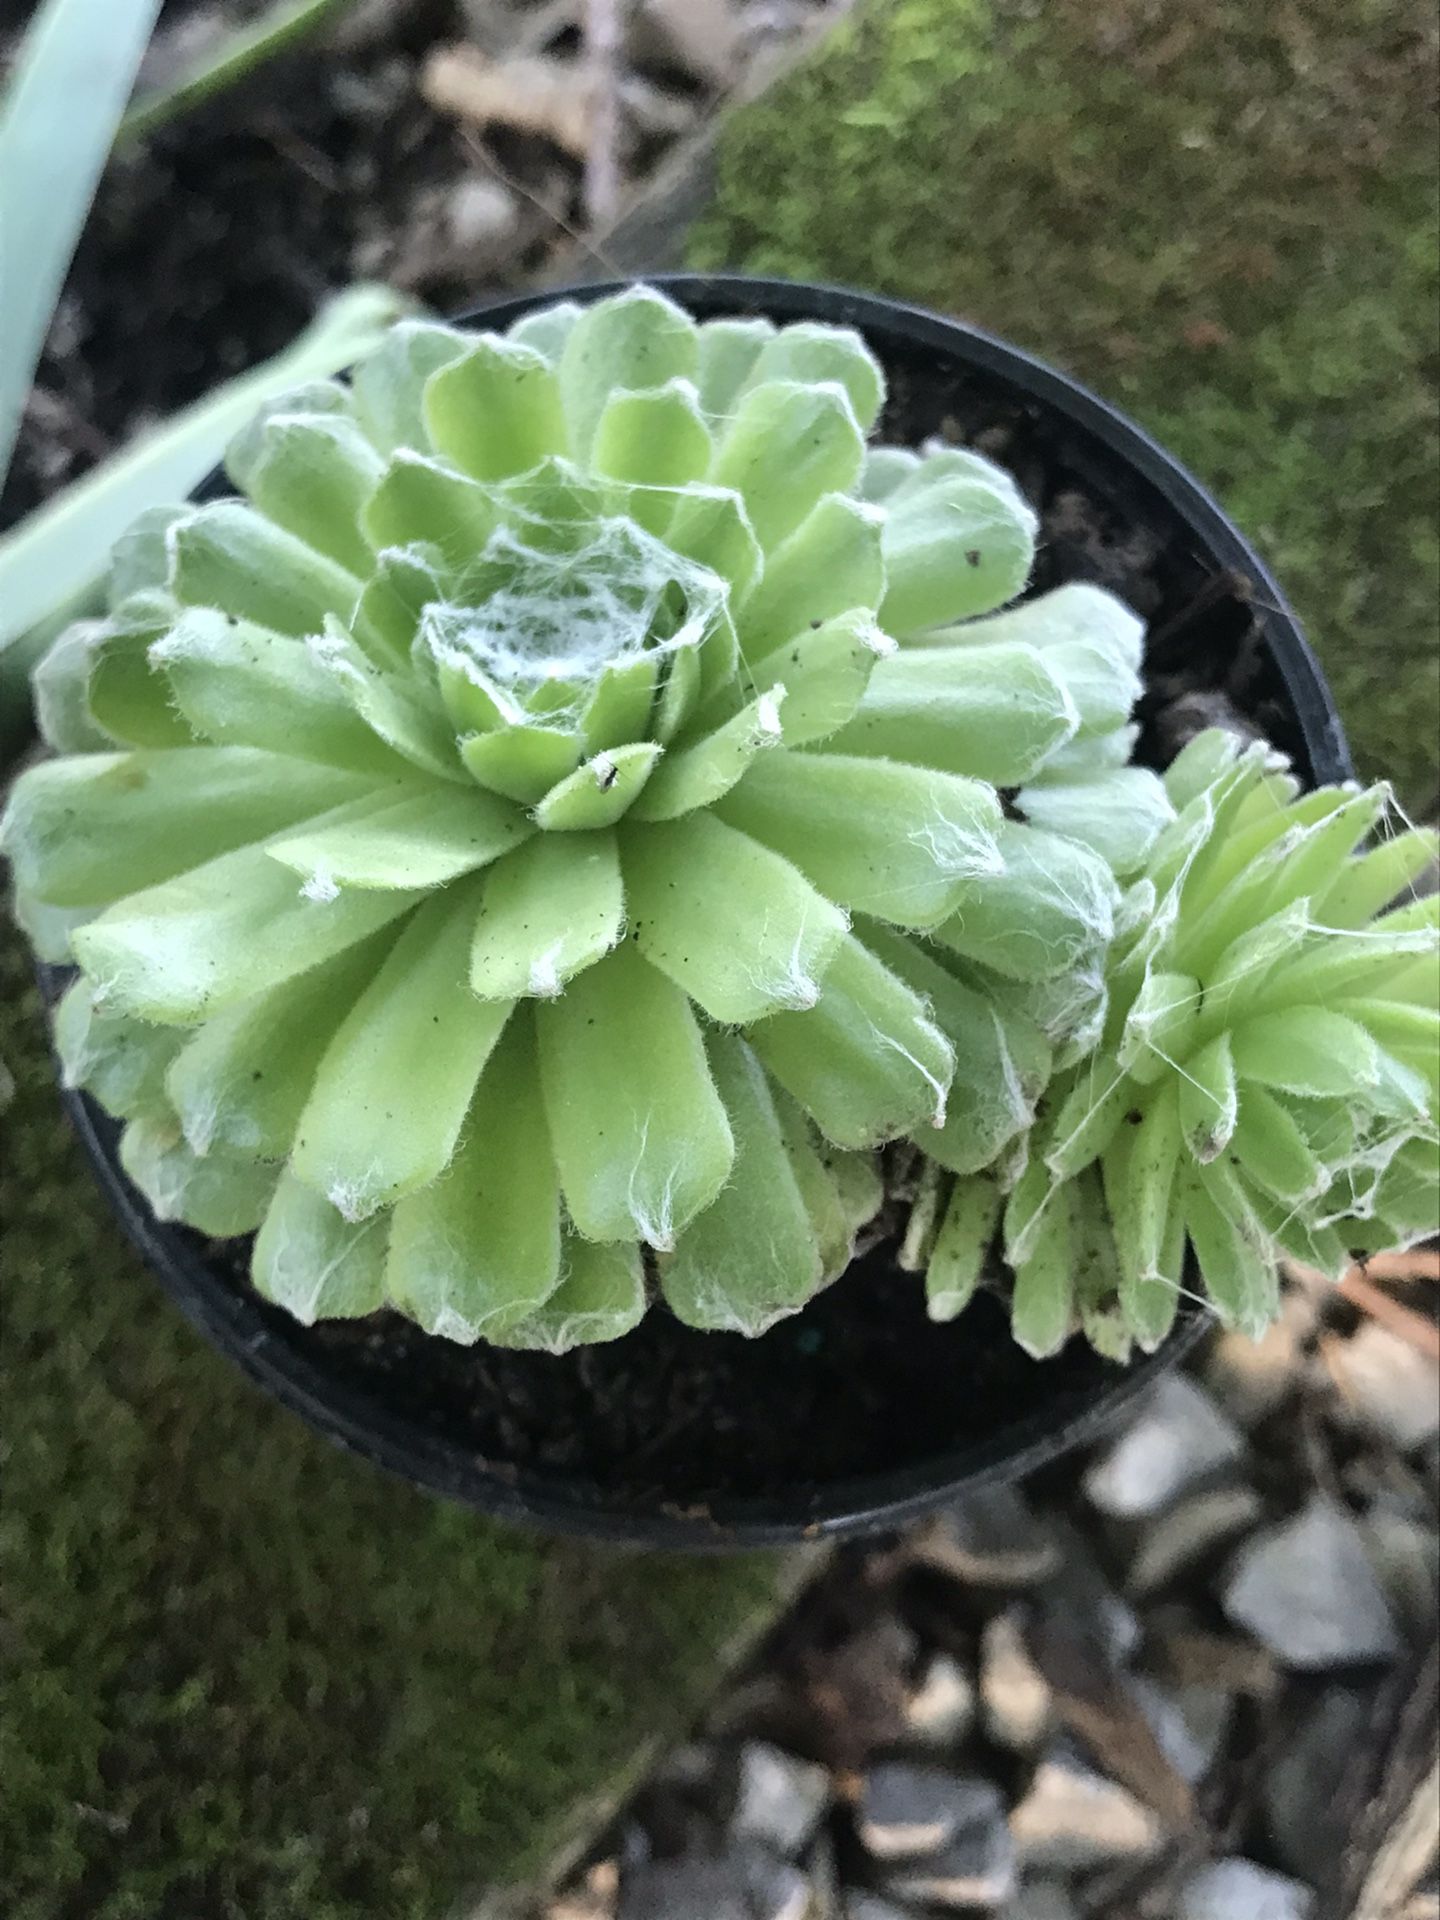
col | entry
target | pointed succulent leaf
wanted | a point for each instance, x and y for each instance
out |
(699, 774)
(197, 944)
(900, 843)
(867, 1062)
(523, 763)
(1366, 885)
(477, 1251)
(238, 685)
(728, 351)
(886, 469)
(87, 830)
(656, 436)
(824, 672)
(1235, 1253)
(311, 474)
(638, 1130)
(228, 556)
(140, 558)
(601, 1296)
(1141, 1194)
(218, 1193)
(953, 550)
(314, 1262)
(1042, 1308)
(811, 352)
(1306, 1050)
(120, 1060)
(392, 1089)
(495, 409)
(1119, 816)
(547, 329)
(732, 923)
(242, 1079)
(633, 340)
(600, 792)
(830, 564)
(417, 498)
(388, 385)
(786, 446)
(752, 1256)
(548, 910)
(966, 1236)
(994, 713)
(1053, 905)
(406, 836)
(1209, 1099)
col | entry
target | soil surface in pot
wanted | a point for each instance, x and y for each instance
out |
(860, 1382)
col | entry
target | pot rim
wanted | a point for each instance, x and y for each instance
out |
(249, 1330)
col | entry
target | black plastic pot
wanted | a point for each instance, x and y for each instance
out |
(942, 1408)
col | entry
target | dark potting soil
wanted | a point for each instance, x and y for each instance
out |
(860, 1382)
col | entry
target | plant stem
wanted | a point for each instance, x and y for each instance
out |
(284, 25)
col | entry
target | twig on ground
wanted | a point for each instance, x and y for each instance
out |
(602, 168)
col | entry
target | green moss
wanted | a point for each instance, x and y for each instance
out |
(248, 1676)
(1221, 215)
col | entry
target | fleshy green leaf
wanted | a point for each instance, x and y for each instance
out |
(812, 352)
(786, 447)
(1120, 815)
(389, 383)
(698, 774)
(522, 763)
(830, 564)
(656, 436)
(197, 944)
(634, 340)
(546, 329)
(240, 686)
(242, 1079)
(638, 1130)
(1160, 1026)
(1139, 1174)
(967, 1233)
(824, 671)
(391, 1092)
(751, 1257)
(992, 713)
(1053, 906)
(901, 843)
(495, 409)
(600, 792)
(1235, 1253)
(1209, 1099)
(417, 837)
(600, 1297)
(1042, 1306)
(477, 1251)
(220, 1194)
(120, 1060)
(953, 550)
(314, 1262)
(311, 474)
(421, 499)
(228, 556)
(1306, 1050)
(867, 1062)
(548, 910)
(728, 351)
(739, 928)
(85, 830)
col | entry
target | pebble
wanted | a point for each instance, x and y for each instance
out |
(1302, 1781)
(1239, 1890)
(483, 217)
(663, 1889)
(1180, 1437)
(860, 1905)
(1042, 1900)
(1249, 1378)
(1388, 1384)
(1190, 1531)
(1190, 1724)
(941, 1711)
(1073, 1819)
(977, 1870)
(908, 1810)
(992, 1538)
(1307, 1591)
(780, 1800)
(1016, 1696)
(1402, 1552)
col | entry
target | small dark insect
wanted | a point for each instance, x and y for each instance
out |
(972, 556)
(607, 775)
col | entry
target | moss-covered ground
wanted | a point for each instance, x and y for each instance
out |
(1222, 215)
(248, 1677)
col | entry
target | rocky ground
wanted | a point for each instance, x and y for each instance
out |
(1190, 1676)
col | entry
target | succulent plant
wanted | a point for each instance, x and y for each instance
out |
(1267, 1081)
(459, 837)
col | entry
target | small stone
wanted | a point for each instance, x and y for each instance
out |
(941, 1711)
(860, 1905)
(1188, 1533)
(777, 1889)
(976, 1869)
(1239, 1890)
(662, 1889)
(1307, 1591)
(781, 1800)
(908, 1810)
(1190, 1723)
(1042, 1900)
(482, 215)
(1303, 1780)
(989, 1539)
(1402, 1552)
(1015, 1694)
(1073, 1819)
(1249, 1378)
(1181, 1437)
(1390, 1386)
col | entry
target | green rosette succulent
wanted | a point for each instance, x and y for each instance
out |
(546, 834)
(1267, 1081)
